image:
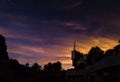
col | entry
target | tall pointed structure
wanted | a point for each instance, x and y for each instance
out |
(73, 51)
(74, 46)
(75, 56)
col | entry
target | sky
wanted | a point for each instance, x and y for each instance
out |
(44, 31)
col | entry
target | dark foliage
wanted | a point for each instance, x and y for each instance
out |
(12, 71)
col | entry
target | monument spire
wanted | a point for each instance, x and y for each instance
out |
(74, 45)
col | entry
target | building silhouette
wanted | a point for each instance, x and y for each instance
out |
(96, 66)
(76, 56)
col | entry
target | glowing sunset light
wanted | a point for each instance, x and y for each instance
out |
(44, 30)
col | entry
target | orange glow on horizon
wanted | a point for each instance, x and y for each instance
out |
(57, 52)
(64, 53)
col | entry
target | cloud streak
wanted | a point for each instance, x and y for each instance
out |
(46, 31)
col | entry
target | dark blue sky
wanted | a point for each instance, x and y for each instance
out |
(44, 30)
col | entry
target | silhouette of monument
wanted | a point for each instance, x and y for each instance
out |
(76, 56)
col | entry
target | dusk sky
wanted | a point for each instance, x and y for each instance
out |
(44, 31)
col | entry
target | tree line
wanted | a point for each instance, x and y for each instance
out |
(12, 71)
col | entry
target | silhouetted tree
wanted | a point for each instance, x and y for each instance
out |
(36, 66)
(12, 71)
(27, 65)
(94, 55)
(4, 68)
(117, 49)
(53, 72)
(109, 52)
(3, 51)
(53, 67)
(57, 66)
(48, 67)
